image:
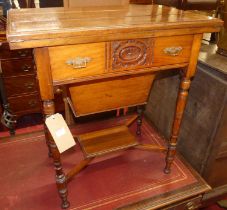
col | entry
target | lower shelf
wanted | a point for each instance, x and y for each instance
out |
(101, 142)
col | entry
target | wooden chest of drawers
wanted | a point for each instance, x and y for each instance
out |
(19, 77)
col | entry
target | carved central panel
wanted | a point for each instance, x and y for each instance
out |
(131, 54)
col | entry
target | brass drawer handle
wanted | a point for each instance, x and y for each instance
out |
(173, 51)
(26, 68)
(78, 62)
(29, 85)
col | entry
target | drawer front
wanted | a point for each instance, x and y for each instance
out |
(130, 54)
(172, 50)
(6, 53)
(17, 67)
(73, 61)
(20, 85)
(191, 204)
(25, 104)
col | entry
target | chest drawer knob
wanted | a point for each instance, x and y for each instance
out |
(173, 51)
(26, 68)
(29, 85)
(32, 103)
(23, 53)
(79, 62)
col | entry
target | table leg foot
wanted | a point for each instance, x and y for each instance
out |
(169, 159)
(65, 205)
(139, 120)
(167, 170)
(61, 182)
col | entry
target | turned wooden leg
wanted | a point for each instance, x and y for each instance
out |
(48, 109)
(61, 180)
(181, 102)
(47, 141)
(139, 120)
(187, 74)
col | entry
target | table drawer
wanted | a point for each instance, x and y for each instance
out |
(17, 67)
(19, 85)
(172, 50)
(73, 61)
(25, 103)
(130, 54)
(191, 204)
(85, 60)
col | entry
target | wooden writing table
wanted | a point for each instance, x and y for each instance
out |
(107, 59)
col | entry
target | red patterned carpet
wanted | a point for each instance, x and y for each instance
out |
(27, 175)
(5, 134)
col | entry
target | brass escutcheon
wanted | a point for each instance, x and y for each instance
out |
(173, 51)
(78, 62)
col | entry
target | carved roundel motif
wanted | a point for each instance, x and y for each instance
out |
(129, 53)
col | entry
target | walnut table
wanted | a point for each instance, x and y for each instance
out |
(105, 59)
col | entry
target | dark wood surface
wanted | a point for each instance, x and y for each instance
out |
(171, 3)
(6, 53)
(24, 66)
(50, 3)
(199, 5)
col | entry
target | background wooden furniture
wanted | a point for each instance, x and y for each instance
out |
(19, 75)
(207, 108)
(7, 118)
(122, 42)
(198, 5)
(50, 3)
(23, 4)
(2, 38)
(172, 3)
(183, 4)
(1, 112)
(222, 41)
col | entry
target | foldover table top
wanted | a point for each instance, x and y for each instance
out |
(39, 27)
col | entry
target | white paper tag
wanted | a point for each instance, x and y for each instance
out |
(60, 132)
